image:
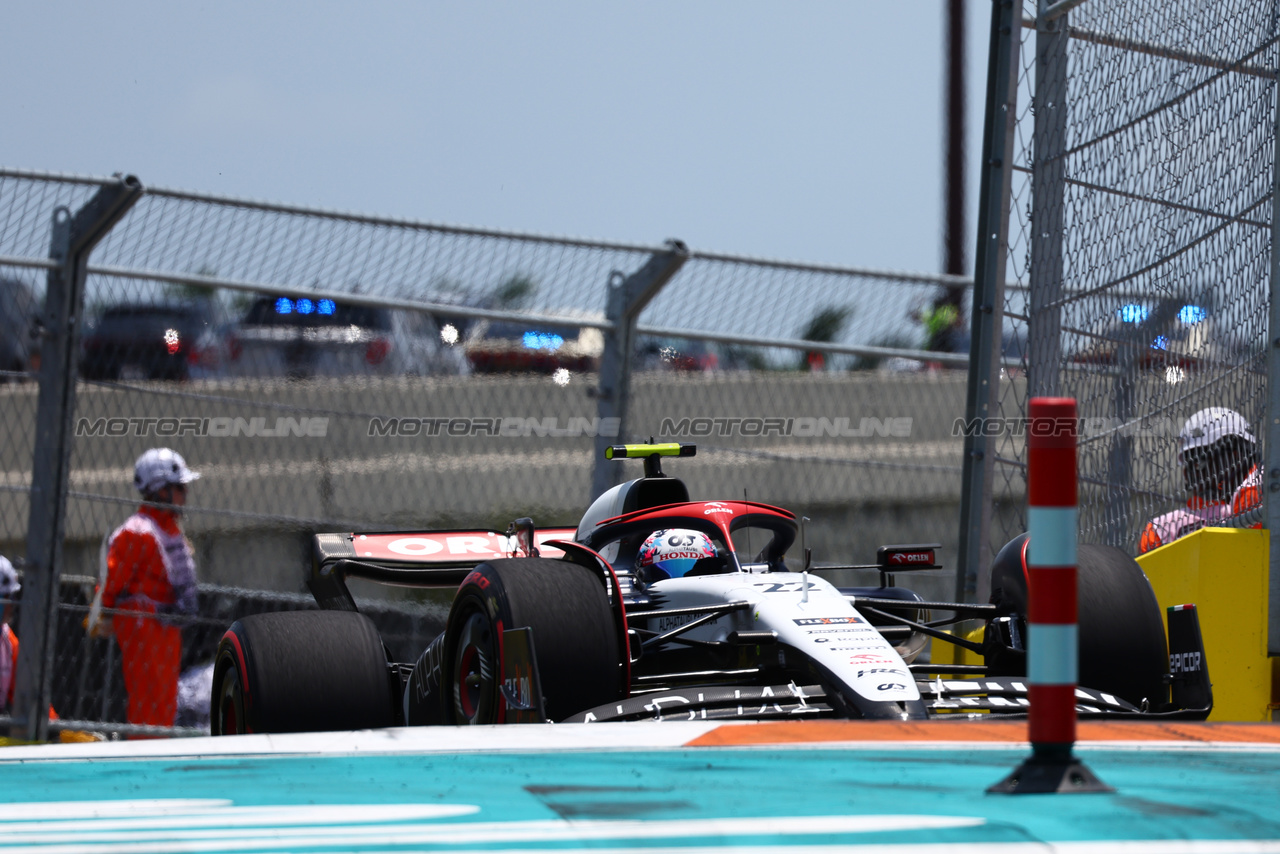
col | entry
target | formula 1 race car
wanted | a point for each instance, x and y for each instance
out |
(653, 607)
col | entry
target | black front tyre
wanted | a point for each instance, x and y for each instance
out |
(1122, 647)
(575, 640)
(301, 671)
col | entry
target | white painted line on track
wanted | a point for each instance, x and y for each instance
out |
(401, 740)
(146, 808)
(595, 737)
(340, 831)
(109, 817)
(1154, 846)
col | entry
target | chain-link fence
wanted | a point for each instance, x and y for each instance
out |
(1139, 247)
(325, 371)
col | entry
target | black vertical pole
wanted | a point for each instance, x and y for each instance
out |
(950, 298)
(74, 237)
(988, 296)
(953, 241)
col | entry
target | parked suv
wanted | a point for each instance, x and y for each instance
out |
(301, 338)
(19, 312)
(1172, 335)
(159, 341)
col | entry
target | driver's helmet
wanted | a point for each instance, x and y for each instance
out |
(672, 552)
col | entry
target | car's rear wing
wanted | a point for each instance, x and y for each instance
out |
(410, 558)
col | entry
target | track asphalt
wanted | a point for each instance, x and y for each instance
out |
(804, 787)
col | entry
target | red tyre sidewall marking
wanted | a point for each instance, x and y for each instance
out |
(246, 699)
(1026, 573)
(501, 716)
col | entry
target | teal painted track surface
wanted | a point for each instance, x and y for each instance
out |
(775, 799)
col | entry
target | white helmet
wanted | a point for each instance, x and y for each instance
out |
(1210, 426)
(159, 467)
(9, 584)
(674, 551)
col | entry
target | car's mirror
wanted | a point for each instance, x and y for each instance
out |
(907, 557)
(522, 530)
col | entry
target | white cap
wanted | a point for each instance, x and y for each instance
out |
(1210, 426)
(8, 579)
(159, 467)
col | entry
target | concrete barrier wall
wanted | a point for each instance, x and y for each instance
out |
(260, 497)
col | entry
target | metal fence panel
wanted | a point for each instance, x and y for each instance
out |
(1140, 240)
(26, 216)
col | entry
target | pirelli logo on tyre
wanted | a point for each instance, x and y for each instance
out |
(827, 621)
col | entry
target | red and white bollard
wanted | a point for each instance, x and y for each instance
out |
(1052, 603)
(1052, 599)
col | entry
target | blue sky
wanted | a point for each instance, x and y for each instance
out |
(808, 131)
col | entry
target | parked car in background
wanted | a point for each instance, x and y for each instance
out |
(157, 341)
(301, 338)
(544, 348)
(666, 353)
(1171, 335)
(19, 316)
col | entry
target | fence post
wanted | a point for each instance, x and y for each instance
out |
(627, 297)
(1047, 196)
(1120, 455)
(74, 237)
(988, 296)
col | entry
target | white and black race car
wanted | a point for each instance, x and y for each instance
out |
(651, 608)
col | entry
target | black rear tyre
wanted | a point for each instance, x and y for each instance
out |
(301, 671)
(1121, 629)
(575, 640)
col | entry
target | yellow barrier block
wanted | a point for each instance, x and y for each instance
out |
(1223, 571)
(943, 652)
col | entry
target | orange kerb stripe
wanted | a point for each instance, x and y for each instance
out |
(813, 732)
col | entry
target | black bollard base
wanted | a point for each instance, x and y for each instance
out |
(1050, 772)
